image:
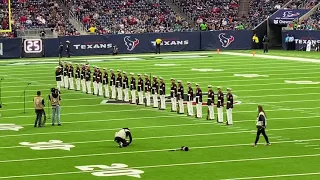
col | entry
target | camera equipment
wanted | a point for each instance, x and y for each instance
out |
(183, 148)
(24, 98)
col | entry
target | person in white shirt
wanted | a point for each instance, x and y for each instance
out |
(121, 136)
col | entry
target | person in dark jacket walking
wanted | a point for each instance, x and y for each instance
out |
(261, 126)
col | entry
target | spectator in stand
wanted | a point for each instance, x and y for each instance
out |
(203, 26)
(92, 30)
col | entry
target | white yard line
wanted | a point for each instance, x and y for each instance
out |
(234, 91)
(276, 176)
(206, 134)
(311, 145)
(168, 165)
(182, 78)
(78, 113)
(149, 109)
(241, 97)
(297, 59)
(243, 66)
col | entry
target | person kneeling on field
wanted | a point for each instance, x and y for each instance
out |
(121, 136)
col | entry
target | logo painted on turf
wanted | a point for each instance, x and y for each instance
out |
(130, 44)
(225, 42)
(10, 127)
(52, 144)
(116, 169)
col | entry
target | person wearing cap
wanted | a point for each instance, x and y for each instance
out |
(147, 88)
(133, 89)
(125, 86)
(68, 48)
(88, 79)
(94, 81)
(180, 96)
(99, 82)
(155, 92)
(58, 77)
(71, 75)
(173, 95)
(113, 84)
(78, 72)
(229, 106)
(115, 50)
(210, 103)
(220, 103)
(119, 86)
(65, 76)
(162, 92)
(190, 100)
(82, 78)
(198, 101)
(105, 82)
(140, 89)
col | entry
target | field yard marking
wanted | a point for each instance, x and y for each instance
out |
(146, 109)
(95, 97)
(283, 139)
(275, 176)
(302, 143)
(164, 76)
(179, 164)
(311, 145)
(93, 112)
(185, 74)
(138, 64)
(236, 91)
(274, 57)
(185, 135)
(134, 152)
(154, 117)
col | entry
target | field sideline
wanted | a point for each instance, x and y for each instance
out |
(286, 84)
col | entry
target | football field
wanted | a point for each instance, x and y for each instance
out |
(83, 147)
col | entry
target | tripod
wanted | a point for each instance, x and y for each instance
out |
(1, 93)
(24, 98)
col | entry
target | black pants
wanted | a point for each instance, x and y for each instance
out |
(68, 53)
(262, 131)
(124, 142)
(157, 48)
(38, 118)
(265, 47)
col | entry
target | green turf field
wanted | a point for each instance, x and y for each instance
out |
(288, 89)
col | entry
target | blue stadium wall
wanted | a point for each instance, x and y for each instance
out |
(133, 43)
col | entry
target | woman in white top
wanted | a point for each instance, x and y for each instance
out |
(261, 126)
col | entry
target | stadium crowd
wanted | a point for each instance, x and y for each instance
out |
(127, 17)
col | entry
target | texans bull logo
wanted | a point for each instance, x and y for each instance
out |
(224, 40)
(129, 43)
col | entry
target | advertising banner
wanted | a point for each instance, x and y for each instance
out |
(10, 48)
(212, 40)
(286, 16)
(302, 38)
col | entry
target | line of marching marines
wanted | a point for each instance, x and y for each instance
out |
(117, 87)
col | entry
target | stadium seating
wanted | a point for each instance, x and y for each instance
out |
(36, 14)
(217, 14)
(134, 16)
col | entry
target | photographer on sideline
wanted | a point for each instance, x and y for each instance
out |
(38, 103)
(55, 104)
